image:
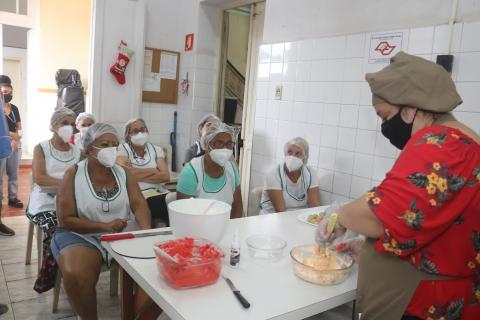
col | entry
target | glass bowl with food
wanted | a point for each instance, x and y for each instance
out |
(324, 267)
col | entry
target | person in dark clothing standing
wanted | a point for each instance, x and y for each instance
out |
(6, 145)
(11, 164)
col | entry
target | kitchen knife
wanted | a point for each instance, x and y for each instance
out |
(237, 293)
(130, 235)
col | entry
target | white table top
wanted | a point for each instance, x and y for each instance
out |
(273, 291)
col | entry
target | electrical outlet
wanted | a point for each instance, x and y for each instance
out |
(278, 92)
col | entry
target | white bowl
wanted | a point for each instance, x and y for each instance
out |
(187, 218)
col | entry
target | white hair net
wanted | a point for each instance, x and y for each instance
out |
(212, 131)
(205, 119)
(301, 143)
(83, 116)
(95, 131)
(60, 113)
(128, 124)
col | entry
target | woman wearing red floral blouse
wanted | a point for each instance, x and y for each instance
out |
(421, 259)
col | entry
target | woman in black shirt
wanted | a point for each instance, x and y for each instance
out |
(11, 164)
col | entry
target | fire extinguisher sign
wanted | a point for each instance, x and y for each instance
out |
(383, 46)
(189, 42)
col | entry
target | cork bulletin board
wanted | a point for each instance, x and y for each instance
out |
(160, 76)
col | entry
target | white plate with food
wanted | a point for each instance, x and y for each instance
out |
(313, 218)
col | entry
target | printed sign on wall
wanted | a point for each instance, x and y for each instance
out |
(383, 46)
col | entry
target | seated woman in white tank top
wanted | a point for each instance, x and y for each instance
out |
(51, 158)
(97, 196)
(292, 184)
(147, 163)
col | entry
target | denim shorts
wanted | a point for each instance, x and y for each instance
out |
(63, 239)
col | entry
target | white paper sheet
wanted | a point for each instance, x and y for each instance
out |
(151, 82)
(168, 65)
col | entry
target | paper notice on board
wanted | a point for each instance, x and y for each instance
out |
(168, 65)
(151, 82)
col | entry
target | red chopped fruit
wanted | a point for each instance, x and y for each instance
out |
(187, 249)
(198, 263)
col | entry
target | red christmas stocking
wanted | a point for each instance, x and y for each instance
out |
(118, 68)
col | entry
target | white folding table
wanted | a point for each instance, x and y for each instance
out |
(273, 290)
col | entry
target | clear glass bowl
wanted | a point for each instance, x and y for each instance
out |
(266, 248)
(188, 273)
(311, 267)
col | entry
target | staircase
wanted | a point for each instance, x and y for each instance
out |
(234, 84)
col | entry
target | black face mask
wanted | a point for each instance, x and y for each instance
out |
(397, 131)
(7, 97)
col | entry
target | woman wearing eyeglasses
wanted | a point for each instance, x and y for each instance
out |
(147, 163)
(213, 175)
(97, 196)
(51, 158)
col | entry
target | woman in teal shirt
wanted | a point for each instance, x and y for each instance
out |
(213, 175)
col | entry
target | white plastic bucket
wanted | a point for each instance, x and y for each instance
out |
(187, 218)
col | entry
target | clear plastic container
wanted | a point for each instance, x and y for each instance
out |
(334, 268)
(188, 272)
(266, 248)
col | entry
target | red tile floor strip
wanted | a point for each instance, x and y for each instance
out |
(23, 193)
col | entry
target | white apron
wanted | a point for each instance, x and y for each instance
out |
(294, 199)
(93, 207)
(56, 163)
(149, 161)
(224, 193)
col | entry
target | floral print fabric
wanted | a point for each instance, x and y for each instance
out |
(429, 204)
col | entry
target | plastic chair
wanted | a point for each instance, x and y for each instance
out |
(254, 203)
(28, 255)
(31, 228)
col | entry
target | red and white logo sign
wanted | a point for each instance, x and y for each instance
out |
(385, 48)
(189, 42)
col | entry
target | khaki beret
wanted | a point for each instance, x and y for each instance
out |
(416, 82)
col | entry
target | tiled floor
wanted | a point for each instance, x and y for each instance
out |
(17, 279)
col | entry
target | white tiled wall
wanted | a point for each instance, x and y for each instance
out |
(326, 100)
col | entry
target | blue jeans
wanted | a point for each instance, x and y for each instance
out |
(11, 165)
